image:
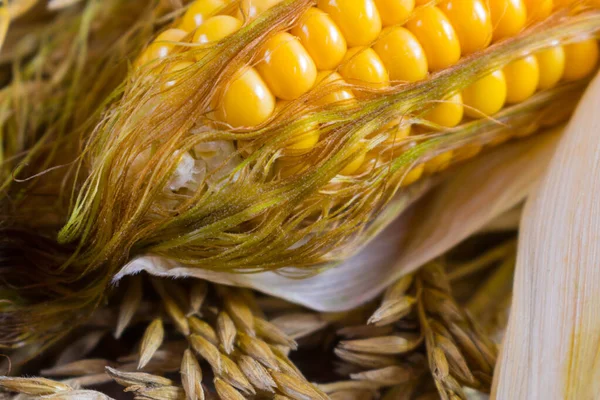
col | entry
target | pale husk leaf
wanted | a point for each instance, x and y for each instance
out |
(550, 349)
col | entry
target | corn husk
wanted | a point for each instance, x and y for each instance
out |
(477, 193)
(551, 346)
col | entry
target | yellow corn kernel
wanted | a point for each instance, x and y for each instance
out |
(216, 28)
(581, 58)
(394, 12)
(437, 36)
(401, 54)
(343, 94)
(251, 9)
(471, 21)
(162, 46)
(466, 152)
(538, 10)
(178, 66)
(198, 12)
(303, 142)
(362, 66)
(485, 96)
(286, 66)
(359, 20)
(522, 78)
(246, 101)
(321, 37)
(448, 113)
(413, 175)
(551, 64)
(508, 17)
(439, 162)
(354, 165)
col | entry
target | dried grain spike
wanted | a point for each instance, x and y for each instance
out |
(232, 374)
(191, 376)
(388, 376)
(257, 374)
(395, 344)
(226, 391)
(160, 393)
(237, 308)
(366, 360)
(258, 350)
(78, 395)
(298, 325)
(198, 293)
(208, 351)
(296, 388)
(141, 379)
(391, 311)
(399, 288)
(203, 329)
(76, 368)
(227, 331)
(129, 305)
(153, 338)
(172, 308)
(271, 333)
(33, 386)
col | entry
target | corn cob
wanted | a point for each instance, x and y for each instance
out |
(377, 44)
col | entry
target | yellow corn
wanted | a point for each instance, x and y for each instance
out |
(373, 45)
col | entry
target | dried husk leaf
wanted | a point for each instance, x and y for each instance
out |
(153, 338)
(550, 350)
(474, 194)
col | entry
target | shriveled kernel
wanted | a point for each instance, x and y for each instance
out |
(437, 36)
(471, 21)
(551, 63)
(359, 20)
(362, 66)
(522, 77)
(198, 12)
(508, 17)
(581, 58)
(333, 96)
(448, 113)
(402, 54)
(413, 175)
(538, 10)
(286, 67)
(354, 165)
(439, 162)
(394, 12)
(251, 9)
(485, 96)
(216, 28)
(321, 38)
(163, 45)
(246, 101)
